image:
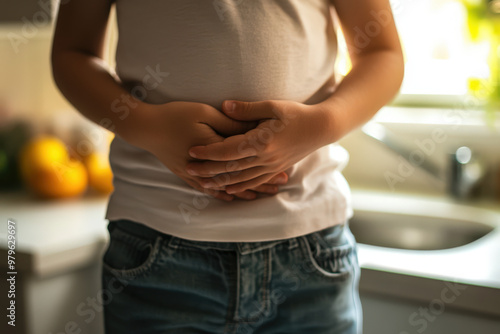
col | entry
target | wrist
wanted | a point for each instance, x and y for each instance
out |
(325, 124)
(133, 124)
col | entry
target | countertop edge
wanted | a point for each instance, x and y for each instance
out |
(461, 296)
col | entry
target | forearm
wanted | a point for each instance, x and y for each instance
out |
(96, 93)
(373, 81)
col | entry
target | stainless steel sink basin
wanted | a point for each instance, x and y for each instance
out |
(415, 232)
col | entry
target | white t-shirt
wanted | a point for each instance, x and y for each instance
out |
(210, 51)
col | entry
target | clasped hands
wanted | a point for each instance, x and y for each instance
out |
(239, 152)
(281, 133)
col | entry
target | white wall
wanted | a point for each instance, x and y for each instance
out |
(26, 86)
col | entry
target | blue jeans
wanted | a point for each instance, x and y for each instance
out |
(159, 283)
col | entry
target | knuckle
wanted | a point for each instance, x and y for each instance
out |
(270, 158)
(268, 104)
(267, 148)
(232, 166)
(204, 111)
(221, 180)
(273, 106)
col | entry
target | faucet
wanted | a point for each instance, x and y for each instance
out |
(462, 176)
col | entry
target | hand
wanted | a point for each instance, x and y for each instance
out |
(270, 187)
(170, 129)
(287, 132)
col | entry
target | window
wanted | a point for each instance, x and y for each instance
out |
(441, 61)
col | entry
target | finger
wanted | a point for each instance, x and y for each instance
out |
(228, 126)
(250, 111)
(250, 184)
(211, 136)
(280, 178)
(226, 179)
(208, 168)
(266, 188)
(231, 148)
(218, 194)
(246, 195)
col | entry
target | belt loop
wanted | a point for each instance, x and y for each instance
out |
(292, 243)
(243, 247)
(174, 241)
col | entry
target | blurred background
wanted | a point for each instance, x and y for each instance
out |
(426, 168)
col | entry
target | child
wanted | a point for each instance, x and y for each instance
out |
(214, 105)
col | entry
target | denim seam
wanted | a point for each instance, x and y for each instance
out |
(245, 249)
(267, 281)
(134, 272)
(264, 283)
(318, 270)
(264, 295)
(338, 251)
(355, 285)
(238, 286)
(230, 318)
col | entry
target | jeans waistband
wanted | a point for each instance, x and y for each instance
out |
(144, 231)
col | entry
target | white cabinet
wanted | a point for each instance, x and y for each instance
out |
(399, 304)
(59, 246)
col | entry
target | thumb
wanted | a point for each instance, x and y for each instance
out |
(248, 111)
(227, 126)
(280, 178)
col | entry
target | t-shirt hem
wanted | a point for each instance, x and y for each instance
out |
(296, 226)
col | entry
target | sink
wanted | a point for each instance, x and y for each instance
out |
(415, 232)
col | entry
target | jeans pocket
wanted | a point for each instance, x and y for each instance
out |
(333, 255)
(129, 255)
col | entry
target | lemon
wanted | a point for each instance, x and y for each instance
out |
(48, 170)
(99, 171)
(41, 152)
(64, 179)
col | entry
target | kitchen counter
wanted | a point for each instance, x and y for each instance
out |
(53, 236)
(422, 275)
(59, 246)
(476, 263)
